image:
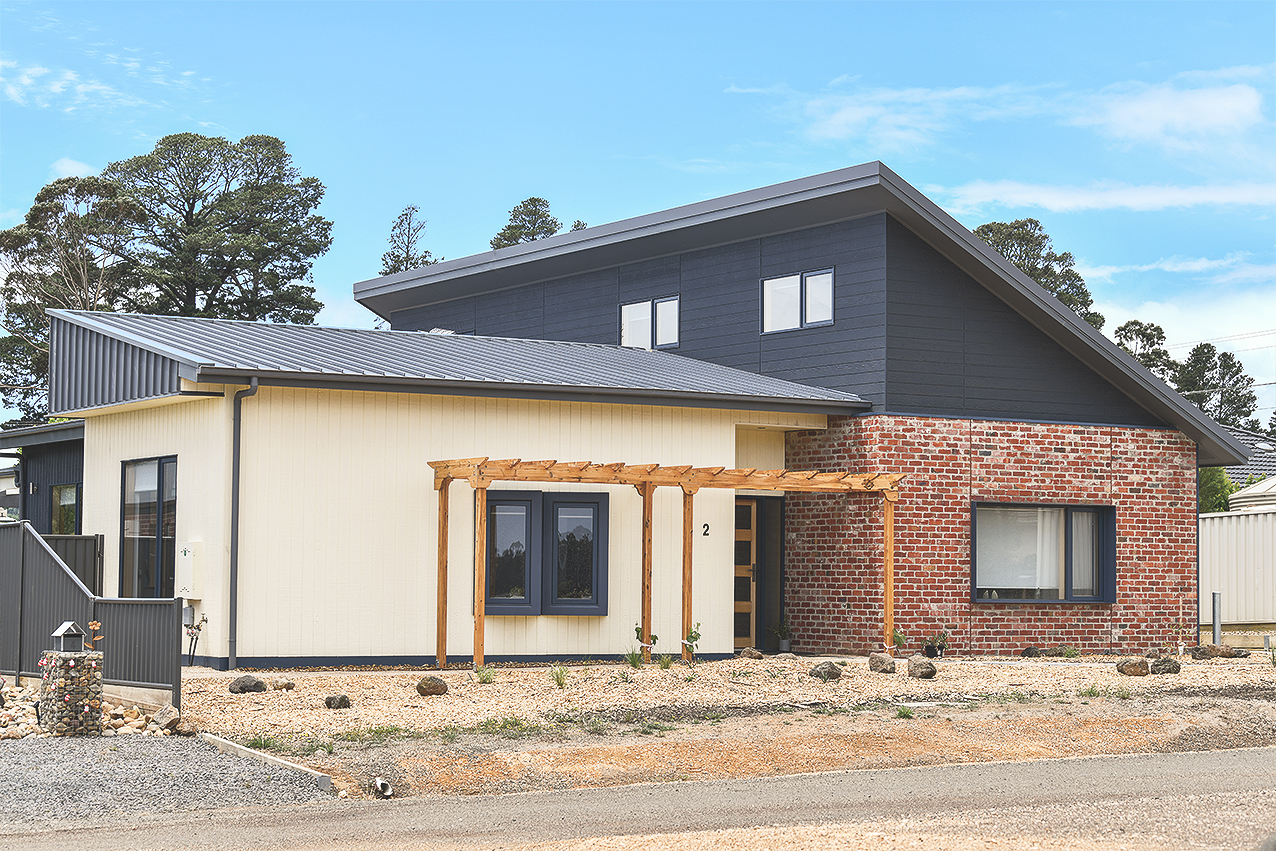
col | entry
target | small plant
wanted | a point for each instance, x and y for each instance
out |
(935, 644)
(692, 640)
(904, 712)
(781, 630)
(509, 727)
(558, 674)
(899, 639)
(649, 728)
(263, 742)
(665, 661)
(596, 726)
(1091, 690)
(1121, 693)
(1070, 652)
(638, 635)
(622, 676)
(634, 658)
(326, 747)
(484, 674)
(691, 675)
(447, 735)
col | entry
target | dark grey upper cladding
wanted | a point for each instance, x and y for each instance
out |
(228, 352)
(928, 319)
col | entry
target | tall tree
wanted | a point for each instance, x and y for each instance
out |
(405, 233)
(68, 253)
(1146, 342)
(229, 232)
(1026, 244)
(530, 221)
(1217, 384)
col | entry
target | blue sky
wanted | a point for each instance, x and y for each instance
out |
(1142, 135)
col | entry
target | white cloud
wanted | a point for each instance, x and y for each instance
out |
(35, 85)
(67, 167)
(1170, 116)
(978, 195)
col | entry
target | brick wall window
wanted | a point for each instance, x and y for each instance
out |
(1043, 552)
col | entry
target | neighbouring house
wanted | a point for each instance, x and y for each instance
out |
(207, 466)
(48, 490)
(1051, 480)
(1261, 463)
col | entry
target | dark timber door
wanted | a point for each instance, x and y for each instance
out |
(746, 572)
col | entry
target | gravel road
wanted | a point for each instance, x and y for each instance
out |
(58, 780)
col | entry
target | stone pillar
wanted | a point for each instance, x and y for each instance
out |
(71, 693)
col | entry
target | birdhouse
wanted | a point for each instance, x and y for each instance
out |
(70, 637)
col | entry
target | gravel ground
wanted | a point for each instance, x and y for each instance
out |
(101, 779)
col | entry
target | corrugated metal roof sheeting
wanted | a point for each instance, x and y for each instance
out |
(251, 348)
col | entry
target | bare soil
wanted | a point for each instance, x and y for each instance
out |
(613, 725)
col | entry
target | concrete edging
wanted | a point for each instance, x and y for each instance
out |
(324, 781)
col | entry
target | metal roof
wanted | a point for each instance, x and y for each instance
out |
(40, 434)
(230, 352)
(835, 196)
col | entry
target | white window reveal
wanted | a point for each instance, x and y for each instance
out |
(797, 301)
(650, 324)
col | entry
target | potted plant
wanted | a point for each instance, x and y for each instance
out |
(936, 644)
(783, 634)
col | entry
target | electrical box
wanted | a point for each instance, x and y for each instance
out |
(188, 572)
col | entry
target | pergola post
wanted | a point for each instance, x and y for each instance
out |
(688, 526)
(440, 640)
(888, 563)
(648, 491)
(480, 566)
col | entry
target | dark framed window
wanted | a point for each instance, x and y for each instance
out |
(148, 527)
(800, 300)
(1058, 553)
(64, 516)
(650, 324)
(546, 553)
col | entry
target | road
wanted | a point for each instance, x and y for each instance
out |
(1214, 799)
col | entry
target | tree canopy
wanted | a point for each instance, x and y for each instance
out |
(1217, 384)
(229, 230)
(405, 233)
(1146, 342)
(68, 253)
(530, 221)
(1026, 244)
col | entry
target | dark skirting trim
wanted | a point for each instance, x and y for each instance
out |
(284, 662)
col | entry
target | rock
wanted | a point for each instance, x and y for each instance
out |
(826, 671)
(880, 663)
(431, 685)
(785, 656)
(185, 728)
(1031, 652)
(107, 731)
(1133, 666)
(751, 653)
(166, 718)
(126, 731)
(1059, 650)
(1165, 665)
(281, 684)
(245, 684)
(921, 668)
(336, 701)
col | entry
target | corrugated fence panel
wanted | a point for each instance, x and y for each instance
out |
(142, 643)
(89, 370)
(50, 595)
(81, 553)
(10, 593)
(1238, 558)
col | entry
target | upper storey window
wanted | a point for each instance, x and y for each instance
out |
(650, 324)
(797, 301)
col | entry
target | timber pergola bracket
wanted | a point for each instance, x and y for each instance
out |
(481, 472)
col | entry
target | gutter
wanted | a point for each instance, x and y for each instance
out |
(240, 396)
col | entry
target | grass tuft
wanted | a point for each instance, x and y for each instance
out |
(509, 727)
(904, 712)
(558, 674)
(634, 658)
(484, 674)
(666, 661)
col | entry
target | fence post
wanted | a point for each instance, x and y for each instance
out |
(1218, 617)
(177, 657)
(22, 596)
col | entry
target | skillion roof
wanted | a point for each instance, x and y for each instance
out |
(835, 196)
(104, 359)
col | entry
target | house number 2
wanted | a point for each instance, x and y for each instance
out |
(705, 533)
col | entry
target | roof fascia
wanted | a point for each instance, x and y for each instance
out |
(43, 434)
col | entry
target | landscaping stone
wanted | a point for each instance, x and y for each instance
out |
(281, 684)
(1031, 652)
(1060, 650)
(751, 653)
(1133, 666)
(337, 701)
(785, 655)
(430, 686)
(921, 668)
(826, 671)
(1166, 665)
(880, 663)
(245, 684)
(166, 718)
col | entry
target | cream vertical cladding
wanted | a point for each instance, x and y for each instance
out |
(197, 432)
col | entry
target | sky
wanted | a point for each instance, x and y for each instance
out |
(1142, 135)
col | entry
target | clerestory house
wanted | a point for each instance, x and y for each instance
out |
(1050, 490)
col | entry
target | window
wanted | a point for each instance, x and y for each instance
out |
(148, 537)
(546, 553)
(1044, 553)
(650, 324)
(797, 301)
(66, 510)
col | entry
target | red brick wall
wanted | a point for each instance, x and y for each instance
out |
(833, 546)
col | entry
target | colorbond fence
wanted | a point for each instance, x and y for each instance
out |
(141, 641)
(1238, 558)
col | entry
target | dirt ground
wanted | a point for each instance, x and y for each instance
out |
(611, 725)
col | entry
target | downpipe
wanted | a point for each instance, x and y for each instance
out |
(237, 418)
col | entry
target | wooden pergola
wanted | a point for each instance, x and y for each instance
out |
(481, 472)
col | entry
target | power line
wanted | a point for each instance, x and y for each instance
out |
(1228, 338)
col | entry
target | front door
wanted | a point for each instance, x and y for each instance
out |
(746, 573)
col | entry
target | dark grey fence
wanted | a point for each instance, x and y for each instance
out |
(83, 554)
(141, 640)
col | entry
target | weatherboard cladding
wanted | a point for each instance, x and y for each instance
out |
(221, 350)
